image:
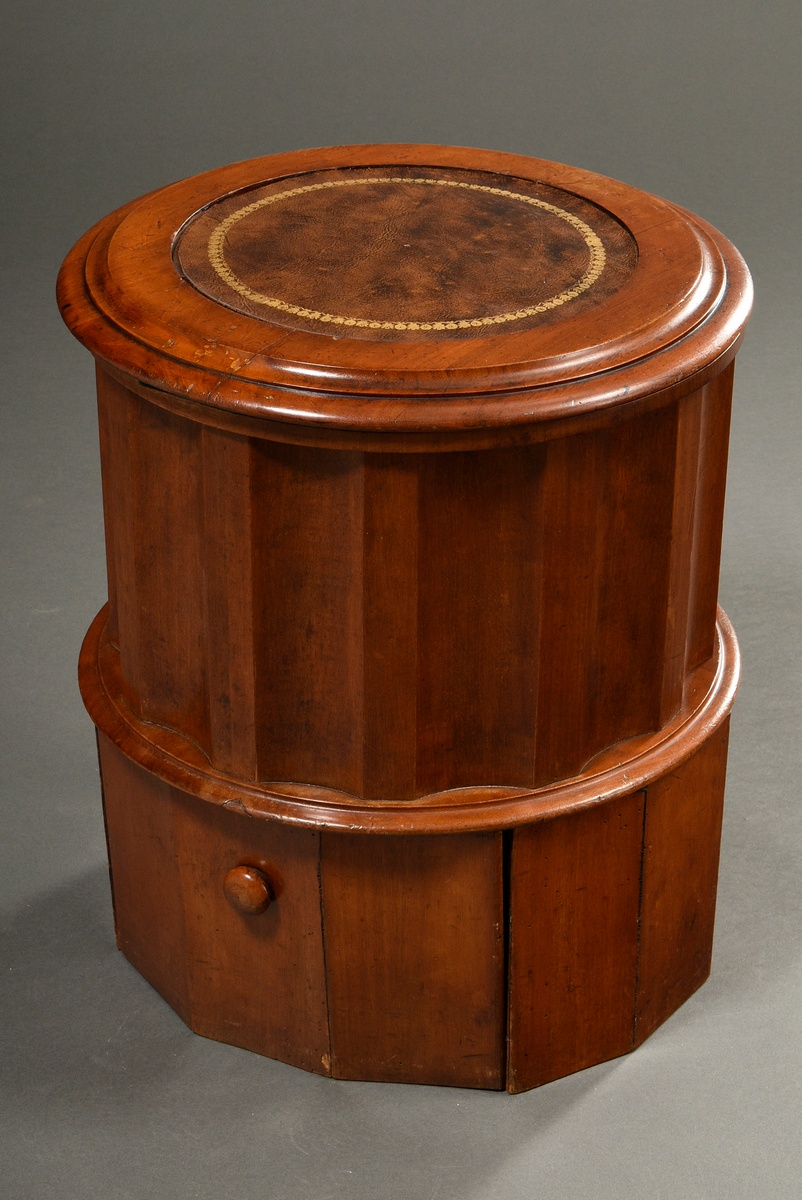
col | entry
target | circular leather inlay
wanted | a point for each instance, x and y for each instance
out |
(415, 275)
(405, 253)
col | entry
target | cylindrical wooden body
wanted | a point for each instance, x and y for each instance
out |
(412, 705)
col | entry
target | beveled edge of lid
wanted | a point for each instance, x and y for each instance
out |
(704, 326)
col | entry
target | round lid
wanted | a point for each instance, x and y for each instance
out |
(371, 286)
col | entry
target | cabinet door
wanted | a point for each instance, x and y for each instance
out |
(415, 957)
(574, 895)
(253, 980)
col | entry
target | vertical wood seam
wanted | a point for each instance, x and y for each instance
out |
(257, 616)
(211, 747)
(228, 605)
(363, 666)
(506, 916)
(682, 527)
(540, 583)
(108, 844)
(711, 397)
(602, 537)
(640, 918)
(175, 836)
(324, 948)
(407, 647)
(359, 587)
(696, 521)
(252, 655)
(414, 650)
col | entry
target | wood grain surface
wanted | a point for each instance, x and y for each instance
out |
(574, 899)
(148, 916)
(253, 981)
(414, 932)
(680, 872)
(412, 691)
(612, 915)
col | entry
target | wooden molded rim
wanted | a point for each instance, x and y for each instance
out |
(400, 427)
(628, 767)
(155, 327)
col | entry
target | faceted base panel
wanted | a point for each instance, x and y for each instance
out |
(492, 959)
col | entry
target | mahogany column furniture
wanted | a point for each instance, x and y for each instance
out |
(411, 692)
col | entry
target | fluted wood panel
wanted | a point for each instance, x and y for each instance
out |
(155, 530)
(709, 516)
(113, 409)
(393, 625)
(574, 896)
(148, 914)
(606, 545)
(479, 585)
(308, 539)
(390, 605)
(680, 873)
(679, 544)
(228, 593)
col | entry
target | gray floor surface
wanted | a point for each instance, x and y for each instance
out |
(105, 1092)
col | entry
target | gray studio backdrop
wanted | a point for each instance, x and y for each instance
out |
(105, 1093)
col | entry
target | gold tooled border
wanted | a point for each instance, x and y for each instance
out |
(224, 272)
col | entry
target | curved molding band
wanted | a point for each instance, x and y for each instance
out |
(618, 771)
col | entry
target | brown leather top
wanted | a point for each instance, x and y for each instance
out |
(405, 253)
(405, 289)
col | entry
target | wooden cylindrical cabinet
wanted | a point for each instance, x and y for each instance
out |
(412, 692)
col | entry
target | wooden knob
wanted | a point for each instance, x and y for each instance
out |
(247, 890)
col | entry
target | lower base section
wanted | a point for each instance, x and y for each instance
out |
(477, 959)
(486, 938)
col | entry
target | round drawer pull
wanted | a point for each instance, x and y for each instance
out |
(247, 890)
